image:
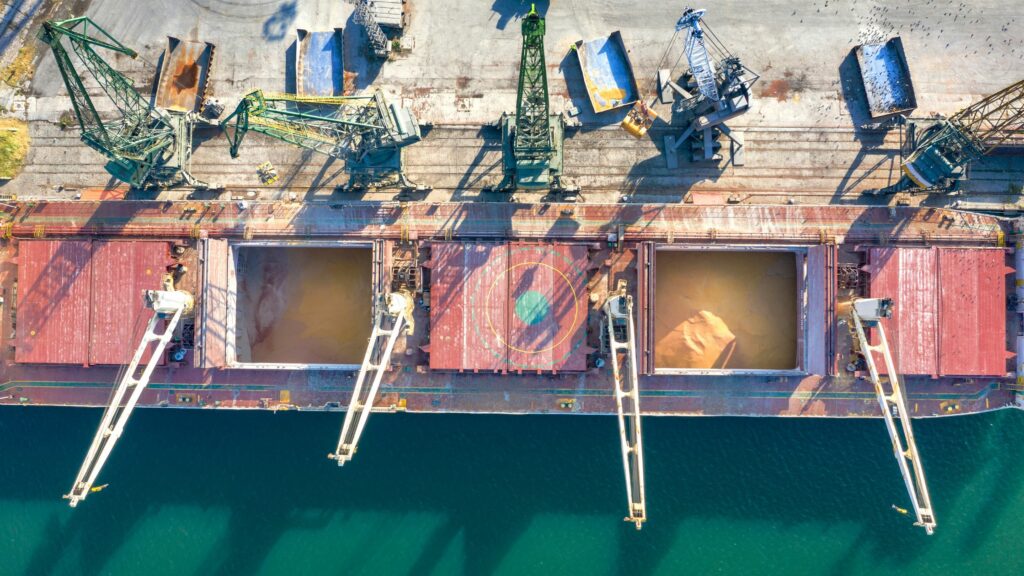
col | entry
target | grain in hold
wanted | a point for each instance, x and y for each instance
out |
(725, 310)
(303, 305)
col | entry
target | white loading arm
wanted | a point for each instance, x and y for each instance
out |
(869, 312)
(391, 318)
(618, 309)
(167, 305)
(701, 66)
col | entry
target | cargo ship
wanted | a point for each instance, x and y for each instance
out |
(508, 304)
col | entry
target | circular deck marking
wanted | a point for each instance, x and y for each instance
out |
(532, 307)
(565, 333)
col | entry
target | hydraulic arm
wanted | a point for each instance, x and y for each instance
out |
(138, 140)
(364, 131)
(168, 307)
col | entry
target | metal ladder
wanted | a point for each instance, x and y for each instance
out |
(618, 309)
(164, 303)
(391, 318)
(378, 40)
(870, 312)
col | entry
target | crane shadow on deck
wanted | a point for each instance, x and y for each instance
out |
(479, 174)
(651, 180)
(510, 11)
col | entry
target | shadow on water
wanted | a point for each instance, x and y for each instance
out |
(491, 478)
(1005, 471)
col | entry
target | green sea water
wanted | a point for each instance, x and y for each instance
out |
(205, 492)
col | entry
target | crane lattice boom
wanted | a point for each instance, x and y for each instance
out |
(995, 119)
(701, 66)
(716, 90)
(945, 149)
(533, 129)
(137, 138)
(362, 130)
(531, 139)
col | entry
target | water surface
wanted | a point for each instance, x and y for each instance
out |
(217, 492)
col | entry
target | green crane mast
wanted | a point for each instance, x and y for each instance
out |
(144, 145)
(531, 139)
(364, 131)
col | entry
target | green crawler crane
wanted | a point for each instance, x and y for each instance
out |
(531, 139)
(143, 145)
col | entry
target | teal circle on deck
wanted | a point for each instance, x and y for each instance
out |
(532, 307)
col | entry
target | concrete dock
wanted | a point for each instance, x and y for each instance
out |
(803, 141)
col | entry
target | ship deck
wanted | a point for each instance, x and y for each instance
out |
(411, 385)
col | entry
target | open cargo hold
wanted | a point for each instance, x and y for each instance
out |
(724, 309)
(184, 75)
(319, 63)
(300, 306)
(607, 72)
(886, 77)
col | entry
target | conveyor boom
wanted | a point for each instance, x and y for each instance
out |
(391, 318)
(169, 305)
(870, 312)
(618, 309)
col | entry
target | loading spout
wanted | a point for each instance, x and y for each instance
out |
(618, 310)
(167, 305)
(869, 312)
(394, 315)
